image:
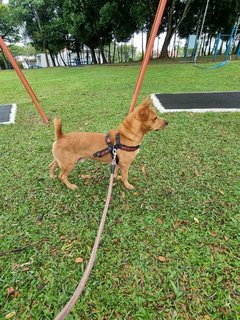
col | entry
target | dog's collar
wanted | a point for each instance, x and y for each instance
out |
(111, 147)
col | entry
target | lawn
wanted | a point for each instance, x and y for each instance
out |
(170, 247)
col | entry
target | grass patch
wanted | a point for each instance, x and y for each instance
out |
(185, 206)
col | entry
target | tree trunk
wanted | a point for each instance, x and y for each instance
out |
(118, 54)
(46, 56)
(56, 56)
(166, 43)
(142, 47)
(103, 54)
(4, 60)
(62, 58)
(170, 29)
(114, 51)
(94, 59)
(109, 53)
(52, 58)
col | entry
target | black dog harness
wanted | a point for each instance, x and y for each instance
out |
(111, 148)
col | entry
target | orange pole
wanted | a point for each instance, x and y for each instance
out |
(155, 27)
(23, 79)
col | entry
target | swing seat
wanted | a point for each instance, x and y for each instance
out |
(212, 67)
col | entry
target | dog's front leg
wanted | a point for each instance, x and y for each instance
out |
(124, 171)
(116, 172)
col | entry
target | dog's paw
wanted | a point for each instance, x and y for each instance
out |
(129, 186)
(73, 187)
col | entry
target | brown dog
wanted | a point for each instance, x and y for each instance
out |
(72, 147)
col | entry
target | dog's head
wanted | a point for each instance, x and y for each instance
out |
(148, 117)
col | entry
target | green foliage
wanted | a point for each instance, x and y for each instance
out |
(185, 206)
(8, 23)
(43, 22)
(221, 17)
(57, 24)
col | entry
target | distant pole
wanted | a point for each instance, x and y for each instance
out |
(23, 79)
(238, 52)
(195, 47)
(229, 45)
(155, 27)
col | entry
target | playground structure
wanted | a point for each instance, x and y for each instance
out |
(197, 45)
(23, 80)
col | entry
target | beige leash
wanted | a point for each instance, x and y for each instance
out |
(68, 307)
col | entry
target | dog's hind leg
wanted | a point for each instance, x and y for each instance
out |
(64, 176)
(52, 167)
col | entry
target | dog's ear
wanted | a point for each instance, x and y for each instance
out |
(144, 113)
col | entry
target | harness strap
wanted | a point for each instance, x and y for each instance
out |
(123, 146)
(111, 147)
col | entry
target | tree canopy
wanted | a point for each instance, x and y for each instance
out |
(8, 24)
(54, 25)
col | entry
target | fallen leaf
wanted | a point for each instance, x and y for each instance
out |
(127, 207)
(54, 252)
(143, 170)
(10, 315)
(222, 310)
(159, 220)
(85, 176)
(123, 195)
(79, 260)
(225, 238)
(177, 224)
(197, 174)
(25, 269)
(196, 220)
(162, 259)
(62, 238)
(135, 193)
(10, 291)
(214, 234)
(221, 192)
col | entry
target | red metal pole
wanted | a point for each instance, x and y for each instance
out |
(155, 27)
(23, 79)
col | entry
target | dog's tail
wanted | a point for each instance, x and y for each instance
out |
(58, 128)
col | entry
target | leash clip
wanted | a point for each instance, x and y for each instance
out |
(114, 152)
(113, 165)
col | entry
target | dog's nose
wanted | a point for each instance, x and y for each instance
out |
(165, 123)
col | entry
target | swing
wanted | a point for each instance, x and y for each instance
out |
(223, 63)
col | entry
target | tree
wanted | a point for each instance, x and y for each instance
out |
(175, 13)
(43, 23)
(86, 26)
(8, 28)
(8, 24)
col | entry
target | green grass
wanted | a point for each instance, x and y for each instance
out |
(185, 205)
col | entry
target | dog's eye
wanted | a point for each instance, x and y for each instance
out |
(155, 119)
